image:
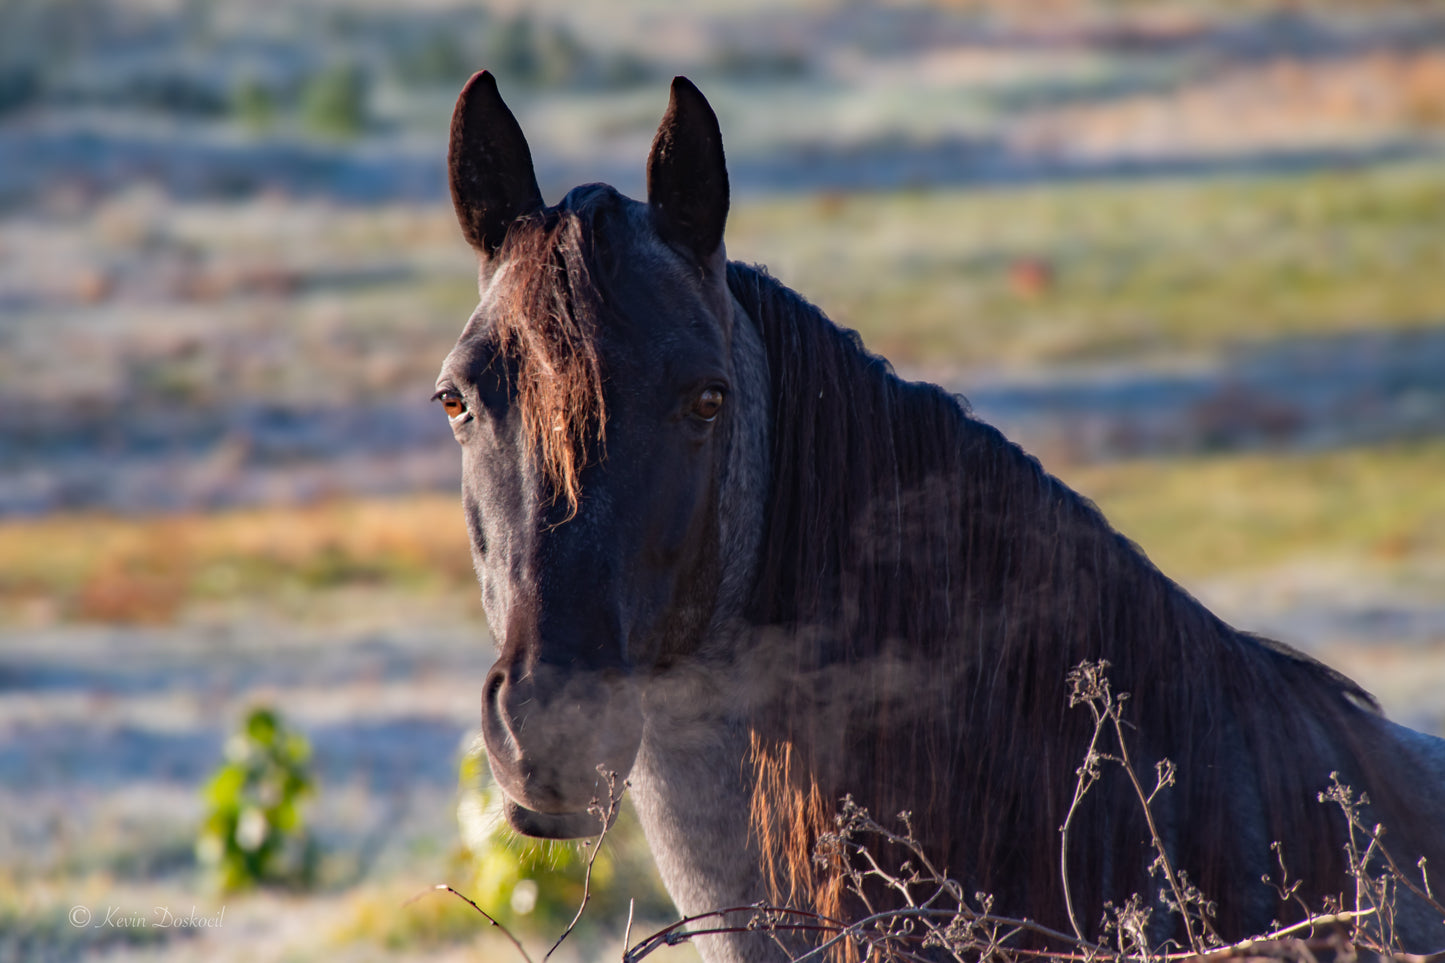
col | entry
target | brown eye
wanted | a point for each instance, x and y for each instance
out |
(452, 402)
(708, 403)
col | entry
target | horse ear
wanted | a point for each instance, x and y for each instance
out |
(489, 166)
(687, 177)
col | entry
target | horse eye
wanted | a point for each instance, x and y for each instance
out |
(708, 403)
(452, 402)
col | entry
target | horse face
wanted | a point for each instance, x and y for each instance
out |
(593, 512)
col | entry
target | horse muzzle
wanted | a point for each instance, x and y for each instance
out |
(560, 743)
(557, 825)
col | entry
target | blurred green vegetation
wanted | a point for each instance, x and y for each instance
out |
(536, 886)
(254, 832)
(255, 105)
(334, 101)
(532, 887)
(318, 62)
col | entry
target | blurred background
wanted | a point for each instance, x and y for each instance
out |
(1191, 254)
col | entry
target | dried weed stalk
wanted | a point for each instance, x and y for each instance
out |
(930, 918)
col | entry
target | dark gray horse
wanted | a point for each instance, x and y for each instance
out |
(729, 556)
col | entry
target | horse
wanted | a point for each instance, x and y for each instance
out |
(730, 557)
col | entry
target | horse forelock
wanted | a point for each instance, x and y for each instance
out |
(546, 319)
(933, 586)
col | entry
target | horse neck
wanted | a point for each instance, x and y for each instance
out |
(690, 784)
(922, 590)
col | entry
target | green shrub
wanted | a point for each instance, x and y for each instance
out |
(253, 833)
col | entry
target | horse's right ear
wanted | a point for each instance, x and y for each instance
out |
(489, 166)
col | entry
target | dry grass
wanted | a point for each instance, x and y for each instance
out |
(148, 569)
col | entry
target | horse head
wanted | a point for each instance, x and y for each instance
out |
(602, 412)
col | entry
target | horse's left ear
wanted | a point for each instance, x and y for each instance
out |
(687, 178)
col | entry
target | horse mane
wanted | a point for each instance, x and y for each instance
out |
(928, 587)
(547, 323)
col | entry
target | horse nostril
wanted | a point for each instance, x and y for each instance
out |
(495, 725)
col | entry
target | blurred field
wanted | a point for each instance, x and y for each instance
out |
(1120, 271)
(130, 570)
(1202, 517)
(238, 353)
(1189, 254)
(1378, 509)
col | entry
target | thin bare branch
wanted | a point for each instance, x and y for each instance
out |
(627, 932)
(607, 815)
(1086, 774)
(443, 887)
